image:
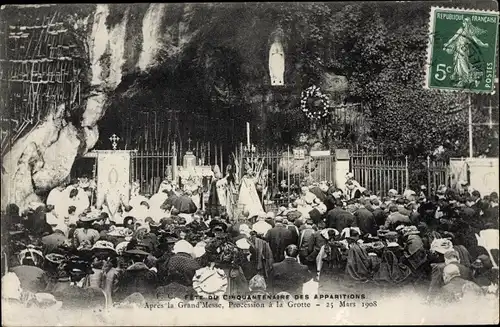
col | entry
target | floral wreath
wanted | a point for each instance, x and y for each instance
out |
(311, 112)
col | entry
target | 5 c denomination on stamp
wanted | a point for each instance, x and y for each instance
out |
(462, 50)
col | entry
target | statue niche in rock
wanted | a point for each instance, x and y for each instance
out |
(277, 58)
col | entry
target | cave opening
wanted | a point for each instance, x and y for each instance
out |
(195, 102)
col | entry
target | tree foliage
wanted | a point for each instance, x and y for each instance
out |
(381, 48)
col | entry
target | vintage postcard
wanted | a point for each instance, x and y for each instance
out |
(227, 164)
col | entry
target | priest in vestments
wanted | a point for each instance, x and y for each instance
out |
(214, 204)
(135, 197)
(58, 198)
(79, 201)
(185, 204)
(249, 199)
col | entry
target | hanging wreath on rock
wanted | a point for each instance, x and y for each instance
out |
(314, 103)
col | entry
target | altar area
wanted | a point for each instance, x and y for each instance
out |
(118, 171)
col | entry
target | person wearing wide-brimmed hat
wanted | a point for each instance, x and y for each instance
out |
(167, 241)
(261, 255)
(138, 277)
(364, 219)
(482, 272)
(217, 227)
(182, 266)
(329, 262)
(86, 236)
(247, 258)
(102, 251)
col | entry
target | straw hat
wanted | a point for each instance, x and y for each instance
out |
(103, 245)
(55, 258)
(207, 281)
(183, 246)
(120, 247)
(243, 244)
(244, 229)
(199, 249)
(410, 230)
(392, 192)
(88, 217)
(441, 245)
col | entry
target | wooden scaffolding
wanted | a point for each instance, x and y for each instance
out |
(40, 69)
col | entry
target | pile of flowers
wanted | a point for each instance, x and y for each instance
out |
(314, 112)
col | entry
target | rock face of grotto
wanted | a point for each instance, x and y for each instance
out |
(138, 52)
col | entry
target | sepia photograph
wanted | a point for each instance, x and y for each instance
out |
(256, 163)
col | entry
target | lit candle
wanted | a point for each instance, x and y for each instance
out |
(248, 135)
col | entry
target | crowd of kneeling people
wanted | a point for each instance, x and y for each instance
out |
(422, 241)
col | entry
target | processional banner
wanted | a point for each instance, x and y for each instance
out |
(113, 178)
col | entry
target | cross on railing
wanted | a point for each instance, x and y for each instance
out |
(114, 139)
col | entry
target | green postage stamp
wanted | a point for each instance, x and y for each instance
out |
(462, 50)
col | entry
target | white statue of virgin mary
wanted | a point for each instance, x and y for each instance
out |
(277, 59)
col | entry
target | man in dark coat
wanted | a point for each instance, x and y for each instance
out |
(306, 243)
(396, 218)
(320, 191)
(185, 204)
(478, 203)
(456, 287)
(401, 203)
(289, 275)
(169, 202)
(137, 278)
(318, 239)
(279, 237)
(450, 258)
(339, 218)
(378, 213)
(330, 198)
(470, 215)
(365, 220)
(491, 213)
